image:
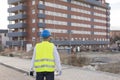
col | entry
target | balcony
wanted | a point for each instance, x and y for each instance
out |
(41, 16)
(14, 1)
(108, 19)
(108, 13)
(18, 16)
(41, 25)
(17, 34)
(57, 42)
(108, 30)
(16, 8)
(94, 2)
(108, 6)
(41, 6)
(16, 43)
(108, 24)
(17, 25)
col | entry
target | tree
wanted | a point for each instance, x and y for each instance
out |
(1, 48)
(113, 40)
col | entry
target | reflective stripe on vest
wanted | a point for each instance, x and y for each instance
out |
(45, 66)
(44, 60)
(51, 60)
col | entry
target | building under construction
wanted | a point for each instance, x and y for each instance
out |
(73, 23)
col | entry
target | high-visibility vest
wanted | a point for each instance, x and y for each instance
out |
(44, 59)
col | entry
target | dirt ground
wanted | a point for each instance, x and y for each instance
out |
(102, 61)
(111, 60)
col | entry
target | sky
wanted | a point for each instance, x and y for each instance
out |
(115, 14)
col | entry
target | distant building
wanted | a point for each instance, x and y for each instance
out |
(3, 38)
(114, 33)
(115, 39)
(76, 23)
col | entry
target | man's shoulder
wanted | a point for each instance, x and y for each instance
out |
(38, 44)
(52, 44)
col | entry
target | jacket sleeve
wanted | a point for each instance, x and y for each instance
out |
(33, 58)
(57, 59)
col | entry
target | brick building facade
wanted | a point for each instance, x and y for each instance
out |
(78, 23)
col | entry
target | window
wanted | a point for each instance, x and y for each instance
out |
(100, 33)
(80, 32)
(80, 10)
(33, 30)
(55, 22)
(40, 30)
(100, 21)
(57, 30)
(81, 25)
(99, 14)
(80, 18)
(33, 20)
(56, 14)
(33, 38)
(33, 2)
(41, 20)
(33, 11)
(99, 8)
(99, 27)
(21, 21)
(5, 34)
(40, 2)
(56, 5)
(24, 12)
(83, 39)
(80, 3)
(64, 0)
(72, 39)
(40, 11)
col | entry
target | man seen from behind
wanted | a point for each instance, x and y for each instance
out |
(45, 60)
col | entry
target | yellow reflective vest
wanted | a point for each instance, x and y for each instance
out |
(44, 59)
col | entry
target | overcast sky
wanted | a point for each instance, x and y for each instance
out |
(115, 14)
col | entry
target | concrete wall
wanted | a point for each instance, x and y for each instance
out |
(4, 38)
